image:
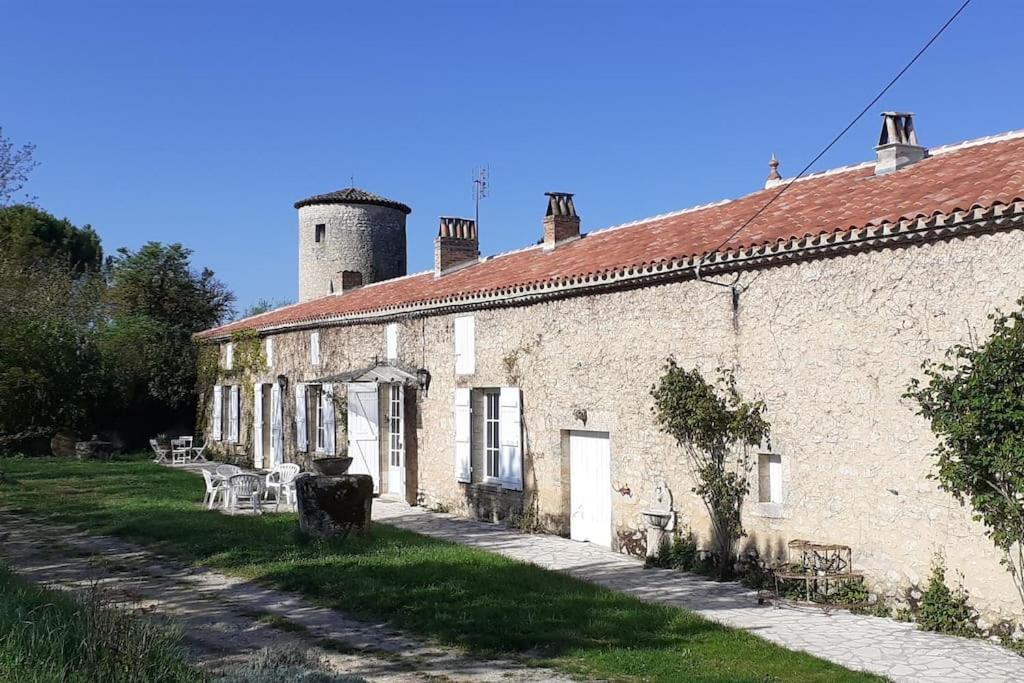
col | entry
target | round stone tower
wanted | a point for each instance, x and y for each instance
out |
(349, 236)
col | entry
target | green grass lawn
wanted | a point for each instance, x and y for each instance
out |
(482, 602)
(47, 636)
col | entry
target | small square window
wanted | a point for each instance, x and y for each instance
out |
(321, 232)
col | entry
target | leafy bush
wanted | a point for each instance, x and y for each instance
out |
(715, 427)
(943, 609)
(974, 400)
(46, 635)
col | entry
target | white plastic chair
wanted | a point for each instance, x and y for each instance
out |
(214, 488)
(161, 452)
(228, 471)
(244, 489)
(281, 480)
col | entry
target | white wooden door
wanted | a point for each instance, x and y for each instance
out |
(396, 439)
(363, 431)
(590, 486)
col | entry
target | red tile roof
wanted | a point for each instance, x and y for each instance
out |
(978, 174)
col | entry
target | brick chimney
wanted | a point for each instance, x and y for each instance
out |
(347, 280)
(897, 144)
(561, 223)
(457, 244)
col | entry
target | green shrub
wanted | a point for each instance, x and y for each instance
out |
(944, 610)
(46, 635)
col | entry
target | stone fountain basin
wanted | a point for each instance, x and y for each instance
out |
(659, 519)
(332, 467)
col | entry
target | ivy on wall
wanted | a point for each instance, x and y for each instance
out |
(249, 360)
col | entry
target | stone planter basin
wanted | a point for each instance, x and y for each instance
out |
(658, 519)
(332, 467)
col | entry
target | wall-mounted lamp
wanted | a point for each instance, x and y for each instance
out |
(423, 378)
(282, 381)
(580, 414)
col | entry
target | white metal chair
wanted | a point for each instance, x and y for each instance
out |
(197, 453)
(214, 488)
(244, 489)
(281, 480)
(160, 451)
(181, 449)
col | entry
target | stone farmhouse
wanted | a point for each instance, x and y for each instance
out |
(492, 385)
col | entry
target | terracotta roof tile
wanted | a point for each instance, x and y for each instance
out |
(956, 178)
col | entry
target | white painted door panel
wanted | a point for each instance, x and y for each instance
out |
(363, 431)
(590, 488)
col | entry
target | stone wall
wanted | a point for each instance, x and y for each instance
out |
(830, 345)
(365, 238)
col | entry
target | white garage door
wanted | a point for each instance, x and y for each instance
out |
(590, 488)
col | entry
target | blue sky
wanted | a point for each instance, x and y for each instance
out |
(203, 122)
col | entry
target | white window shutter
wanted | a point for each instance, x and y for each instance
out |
(314, 349)
(463, 431)
(300, 418)
(257, 426)
(328, 402)
(510, 427)
(391, 341)
(276, 426)
(270, 352)
(233, 405)
(229, 356)
(465, 345)
(218, 405)
(775, 477)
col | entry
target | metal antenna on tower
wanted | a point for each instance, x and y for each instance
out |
(480, 187)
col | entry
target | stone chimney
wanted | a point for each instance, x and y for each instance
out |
(347, 281)
(897, 145)
(561, 223)
(457, 244)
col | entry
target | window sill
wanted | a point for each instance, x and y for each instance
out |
(771, 510)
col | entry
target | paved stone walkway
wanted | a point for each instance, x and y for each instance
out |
(225, 620)
(883, 646)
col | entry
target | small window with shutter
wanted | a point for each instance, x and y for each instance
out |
(769, 478)
(314, 349)
(391, 341)
(465, 345)
(270, 352)
(229, 356)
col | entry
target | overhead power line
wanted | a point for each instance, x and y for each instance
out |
(787, 184)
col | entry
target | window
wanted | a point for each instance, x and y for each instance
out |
(314, 349)
(229, 356)
(391, 341)
(465, 343)
(395, 424)
(270, 352)
(320, 233)
(769, 478)
(492, 434)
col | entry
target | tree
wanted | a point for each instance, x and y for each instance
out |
(264, 305)
(15, 167)
(49, 376)
(157, 303)
(715, 427)
(974, 400)
(32, 236)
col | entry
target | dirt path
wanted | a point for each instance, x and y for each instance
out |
(225, 619)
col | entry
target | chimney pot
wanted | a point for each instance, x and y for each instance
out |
(456, 244)
(897, 143)
(561, 223)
